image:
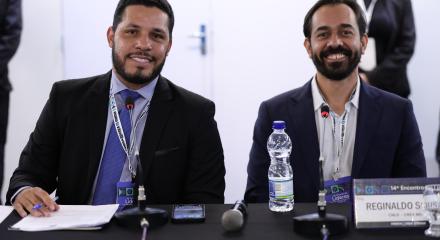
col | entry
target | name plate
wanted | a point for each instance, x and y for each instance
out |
(390, 203)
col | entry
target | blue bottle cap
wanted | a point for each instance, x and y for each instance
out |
(279, 125)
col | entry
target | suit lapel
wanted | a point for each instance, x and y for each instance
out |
(97, 109)
(158, 114)
(367, 122)
(304, 125)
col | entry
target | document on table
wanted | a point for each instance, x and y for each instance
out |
(69, 217)
(4, 212)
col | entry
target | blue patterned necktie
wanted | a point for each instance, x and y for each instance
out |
(114, 156)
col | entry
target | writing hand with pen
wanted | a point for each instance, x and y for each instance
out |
(35, 201)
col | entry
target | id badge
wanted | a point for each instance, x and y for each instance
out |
(338, 191)
(125, 194)
(368, 59)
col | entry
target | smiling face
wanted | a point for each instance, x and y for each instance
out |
(139, 45)
(335, 44)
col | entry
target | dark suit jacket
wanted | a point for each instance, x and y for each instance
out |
(181, 152)
(388, 142)
(10, 32)
(392, 27)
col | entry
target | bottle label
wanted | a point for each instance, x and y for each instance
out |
(282, 189)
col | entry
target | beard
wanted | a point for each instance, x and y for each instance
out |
(137, 77)
(337, 70)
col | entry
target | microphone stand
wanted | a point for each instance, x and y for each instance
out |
(141, 216)
(321, 223)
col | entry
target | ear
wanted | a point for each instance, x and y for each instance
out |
(364, 42)
(308, 46)
(169, 46)
(110, 37)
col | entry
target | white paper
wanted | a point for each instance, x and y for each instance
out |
(4, 212)
(69, 217)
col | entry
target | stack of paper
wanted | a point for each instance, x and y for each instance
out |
(76, 217)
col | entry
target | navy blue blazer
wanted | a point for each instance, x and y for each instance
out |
(387, 145)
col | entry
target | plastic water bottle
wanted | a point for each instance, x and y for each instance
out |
(280, 172)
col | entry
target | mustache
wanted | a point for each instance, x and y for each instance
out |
(345, 51)
(142, 54)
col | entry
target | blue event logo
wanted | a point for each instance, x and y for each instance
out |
(337, 189)
(371, 190)
(358, 190)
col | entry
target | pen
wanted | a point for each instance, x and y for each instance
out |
(40, 205)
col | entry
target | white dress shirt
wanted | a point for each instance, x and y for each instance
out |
(339, 135)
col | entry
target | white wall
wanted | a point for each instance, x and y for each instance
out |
(424, 77)
(84, 30)
(33, 69)
(258, 53)
(38, 64)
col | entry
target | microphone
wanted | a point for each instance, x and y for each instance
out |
(325, 110)
(141, 216)
(234, 218)
(321, 223)
(129, 103)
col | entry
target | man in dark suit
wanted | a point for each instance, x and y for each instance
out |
(10, 32)
(81, 129)
(394, 33)
(370, 133)
(392, 28)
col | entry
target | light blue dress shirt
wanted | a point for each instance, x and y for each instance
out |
(146, 92)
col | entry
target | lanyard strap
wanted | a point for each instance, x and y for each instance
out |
(368, 11)
(117, 123)
(133, 129)
(342, 130)
(339, 142)
(119, 131)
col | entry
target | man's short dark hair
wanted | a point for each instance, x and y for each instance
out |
(161, 4)
(359, 13)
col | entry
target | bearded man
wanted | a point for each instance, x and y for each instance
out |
(95, 134)
(368, 133)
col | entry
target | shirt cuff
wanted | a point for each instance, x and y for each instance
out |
(17, 192)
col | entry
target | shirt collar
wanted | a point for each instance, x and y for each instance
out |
(355, 99)
(146, 91)
(318, 99)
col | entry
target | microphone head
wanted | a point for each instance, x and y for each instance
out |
(232, 220)
(325, 110)
(129, 103)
